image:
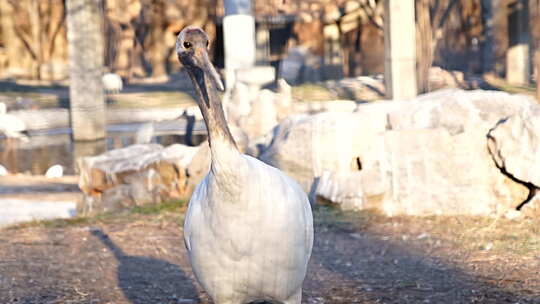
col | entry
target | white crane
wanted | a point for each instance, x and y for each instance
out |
(11, 126)
(249, 227)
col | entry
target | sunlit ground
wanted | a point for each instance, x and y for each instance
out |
(138, 256)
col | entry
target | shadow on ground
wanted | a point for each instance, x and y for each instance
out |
(349, 265)
(358, 260)
(147, 280)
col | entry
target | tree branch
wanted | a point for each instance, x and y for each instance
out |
(21, 34)
(370, 13)
(446, 13)
(57, 29)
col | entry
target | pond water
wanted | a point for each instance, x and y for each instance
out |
(45, 149)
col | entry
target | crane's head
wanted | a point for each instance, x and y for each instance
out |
(191, 47)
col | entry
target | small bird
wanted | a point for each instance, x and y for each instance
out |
(249, 227)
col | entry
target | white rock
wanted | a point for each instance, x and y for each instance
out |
(284, 99)
(424, 156)
(135, 175)
(343, 188)
(513, 215)
(263, 115)
(456, 110)
(339, 106)
(514, 144)
(257, 75)
(434, 172)
(306, 146)
(238, 105)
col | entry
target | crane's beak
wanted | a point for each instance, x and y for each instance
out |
(209, 70)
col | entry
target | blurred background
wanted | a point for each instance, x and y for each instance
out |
(413, 126)
(80, 77)
(347, 35)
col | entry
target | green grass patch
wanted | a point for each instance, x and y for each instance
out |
(150, 100)
(503, 85)
(312, 92)
(169, 206)
(333, 217)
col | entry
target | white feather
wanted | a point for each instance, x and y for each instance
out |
(250, 236)
(249, 228)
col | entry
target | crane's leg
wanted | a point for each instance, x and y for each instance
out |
(295, 299)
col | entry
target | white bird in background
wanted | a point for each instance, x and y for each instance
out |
(55, 171)
(249, 227)
(194, 112)
(3, 171)
(145, 133)
(11, 125)
(112, 83)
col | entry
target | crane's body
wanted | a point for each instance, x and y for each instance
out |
(249, 227)
(256, 243)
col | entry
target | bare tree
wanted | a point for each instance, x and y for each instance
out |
(35, 36)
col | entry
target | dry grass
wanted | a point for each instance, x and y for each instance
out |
(501, 84)
(150, 100)
(312, 92)
(163, 212)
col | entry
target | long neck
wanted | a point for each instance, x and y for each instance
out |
(219, 135)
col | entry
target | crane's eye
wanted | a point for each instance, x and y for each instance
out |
(187, 45)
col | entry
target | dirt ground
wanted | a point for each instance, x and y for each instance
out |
(359, 257)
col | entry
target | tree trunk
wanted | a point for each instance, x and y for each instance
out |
(488, 45)
(518, 61)
(85, 36)
(537, 57)
(35, 24)
(54, 43)
(156, 40)
(124, 45)
(400, 49)
(425, 43)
